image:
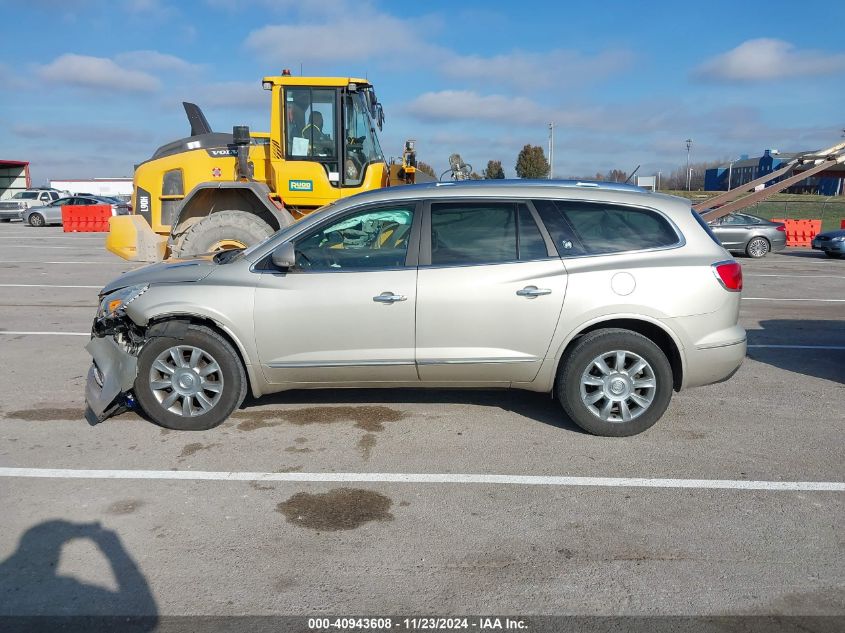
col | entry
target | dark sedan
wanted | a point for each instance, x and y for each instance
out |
(744, 233)
(831, 243)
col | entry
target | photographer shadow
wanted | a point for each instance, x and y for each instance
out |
(33, 596)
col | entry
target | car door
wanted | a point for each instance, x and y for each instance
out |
(489, 292)
(345, 312)
(732, 230)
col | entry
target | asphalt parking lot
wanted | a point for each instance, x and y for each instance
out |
(265, 531)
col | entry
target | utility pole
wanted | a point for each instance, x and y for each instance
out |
(551, 150)
(689, 175)
(658, 180)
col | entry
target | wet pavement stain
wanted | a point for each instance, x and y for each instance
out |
(124, 506)
(194, 447)
(45, 415)
(296, 449)
(257, 486)
(367, 418)
(288, 469)
(366, 444)
(338, 509)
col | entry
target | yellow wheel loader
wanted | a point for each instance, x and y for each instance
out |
(212, 191)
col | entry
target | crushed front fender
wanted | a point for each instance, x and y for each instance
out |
(110, 377)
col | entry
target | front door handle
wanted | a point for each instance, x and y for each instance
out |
(533, 291)
(389, 297)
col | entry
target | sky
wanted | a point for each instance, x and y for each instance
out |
(88, 88)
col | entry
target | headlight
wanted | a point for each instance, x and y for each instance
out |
(119, 299)
(841, 238)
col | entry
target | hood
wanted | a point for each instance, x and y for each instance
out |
(171, 271)
(832, 234)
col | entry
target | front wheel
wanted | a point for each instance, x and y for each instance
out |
(190, 384)
(757, 247)
(615, 383)
(833, 255)
(36, 219)
(220, 231)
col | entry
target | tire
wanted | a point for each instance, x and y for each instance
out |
(833, 255)
(232, 226)
(5, 219)
(578, 366)
(37, 220)
(230, 379)
(757, 247)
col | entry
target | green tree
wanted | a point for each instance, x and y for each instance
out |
(532, 163)
(426, 169)
(494, 170)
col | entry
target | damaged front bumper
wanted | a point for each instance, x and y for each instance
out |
(110, 378)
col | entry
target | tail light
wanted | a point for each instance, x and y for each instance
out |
(729, 274)
(781, 228)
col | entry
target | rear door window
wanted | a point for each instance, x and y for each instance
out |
(600, 228)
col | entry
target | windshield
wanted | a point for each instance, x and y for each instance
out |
(362, 145)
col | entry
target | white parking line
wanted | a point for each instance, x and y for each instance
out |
(818, 347)
(799, 276)
(98, 263)
(41, 246)
(792, 299)
(425, 478)
(49, 237)
(44, 286)
(47, 333)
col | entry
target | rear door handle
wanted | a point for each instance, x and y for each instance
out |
(389, 297)
(533, 291)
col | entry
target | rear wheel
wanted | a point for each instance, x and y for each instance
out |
(615, 383)
(221, 231)
(36, 219)
(190, 384)
(5, 219)
(757, 247)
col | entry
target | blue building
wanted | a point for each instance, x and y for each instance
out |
(744, 170)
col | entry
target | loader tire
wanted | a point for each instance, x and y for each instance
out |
(221, 231)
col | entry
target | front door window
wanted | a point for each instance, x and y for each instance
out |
(376, 238)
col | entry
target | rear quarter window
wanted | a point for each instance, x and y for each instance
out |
(596, 228)
(705, 226)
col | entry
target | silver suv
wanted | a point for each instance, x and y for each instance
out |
(606, 296)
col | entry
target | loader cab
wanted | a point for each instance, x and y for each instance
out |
(324, 139)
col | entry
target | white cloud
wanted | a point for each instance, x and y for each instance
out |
(96, 73)
(232, 94)
(765, 59)
(354, 39)
(514, 111)
(154, 60)
(552, 68)
(82, 133)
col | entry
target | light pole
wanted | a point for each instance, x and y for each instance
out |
(551, 150)
(658, 180)
(689, 178)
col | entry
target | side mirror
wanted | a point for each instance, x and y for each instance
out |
(284, 257)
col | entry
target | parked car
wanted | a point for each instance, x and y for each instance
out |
(52, 213)
(604, 295)
(831, 243)
(744, 233)
(12, 208)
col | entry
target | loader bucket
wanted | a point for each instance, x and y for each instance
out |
(130, 237)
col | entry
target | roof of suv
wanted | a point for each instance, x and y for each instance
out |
(573, 189)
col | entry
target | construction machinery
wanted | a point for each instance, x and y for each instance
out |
(802, 167)
(212, 191)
